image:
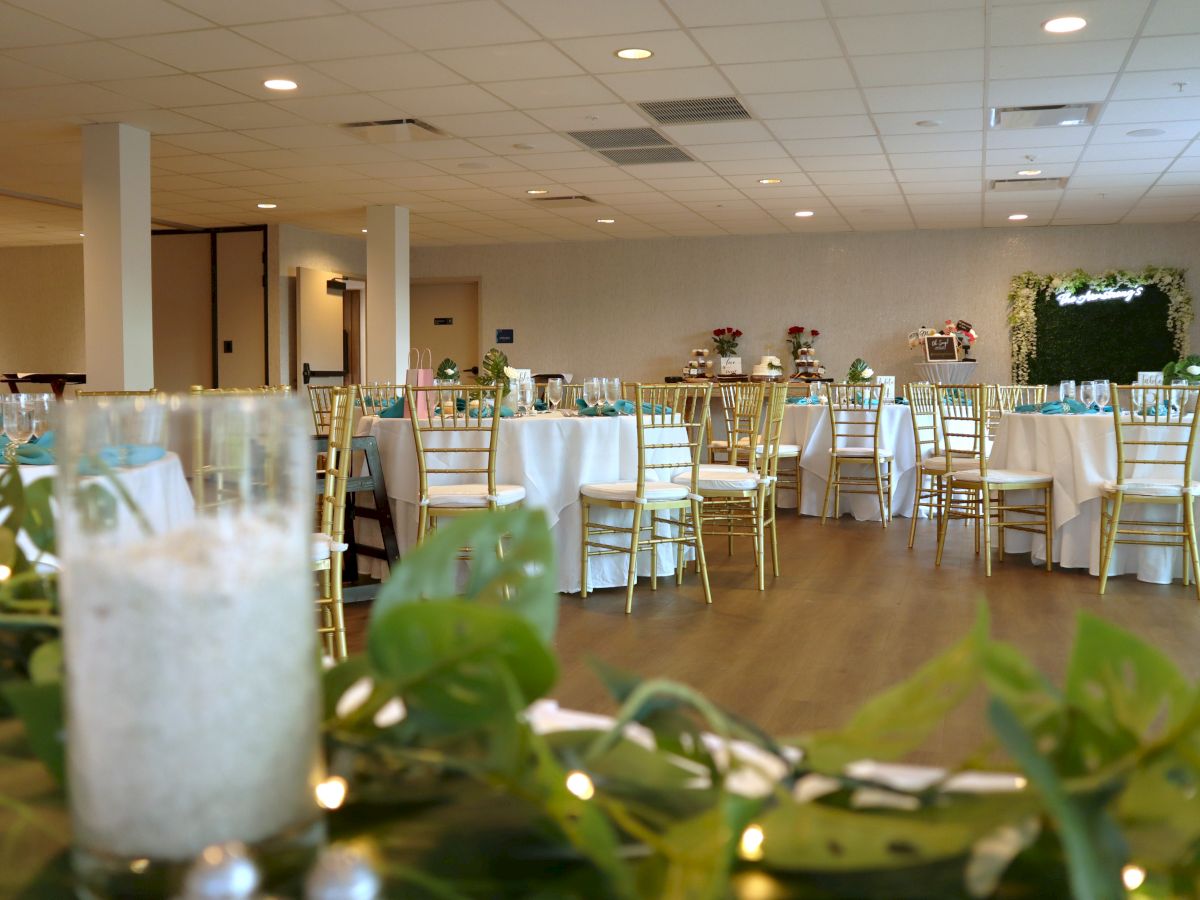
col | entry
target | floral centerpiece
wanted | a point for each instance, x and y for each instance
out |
(860, 372)
(494, 371)
(726, 340)
(797, 341)
(447, 371)
(1187, 369)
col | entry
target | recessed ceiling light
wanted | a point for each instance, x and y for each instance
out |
(267, 205)
(1146, 132)
(634, 53)
(1071, 122)
(1030, 172)
(928, 123)
(1018, 217)
(804, 213)
(280, 84)
(606, 221)
(1064, 24)
(537, 191)
(770, 181)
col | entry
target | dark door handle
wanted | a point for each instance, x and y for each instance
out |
(308, 373)
(474, 370)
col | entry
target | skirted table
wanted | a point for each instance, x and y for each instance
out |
(961, 372)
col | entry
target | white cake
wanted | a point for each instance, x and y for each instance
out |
(767, 367)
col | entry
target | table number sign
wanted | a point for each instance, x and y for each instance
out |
(888, 382)
(1150, 378)
(941, 348)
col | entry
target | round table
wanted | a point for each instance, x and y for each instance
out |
(807, 426)
(947, 372)
(1080, 451)
(551, 455)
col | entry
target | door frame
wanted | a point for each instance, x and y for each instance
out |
(476, 280)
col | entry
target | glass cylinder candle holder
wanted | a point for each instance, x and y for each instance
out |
(188, 622)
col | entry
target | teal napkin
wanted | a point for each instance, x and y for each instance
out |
(38, 452)
(1028, 407)
(1160, 410)
(653, 409)
(486, 412)
(604, 409)
(1070, 406)
(541, 405)
(903, 401)
(395, 411)
(122, 455)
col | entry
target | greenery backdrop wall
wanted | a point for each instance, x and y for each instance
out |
(1102, 338)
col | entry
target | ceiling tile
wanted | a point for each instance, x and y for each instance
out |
(381, 73)
(672, 50)
(1173, 17)
(574, 118)
(485, 124)
(19, 28)
(505, 62)
(15, 74)
(668, 84)
(1123, 167)
(939, 96)
(812, 39)
(574, 159)
(446, 100)
(949, 173)
(759, 168)
(1163, 83)
(580, 18)
(239, 12)
(833, 146)
(156, 121)
(1035, 91)
(927, 143)
(467, 24)
(716, 133)
(770, 77)
(1020, 155)
(915, 32)
(1182, 109)
(868, 176)
(805, 103)
(216, 142)
(1133, 149)
(861, 163)
(1106, 19)
(339, 108)
(747, 150)
(90, 61)
(325, 37)
(540, 93)
(947, 119)
(514, 145)
(821, 127)
(1119, 134)
(1174, 52)
(1044, 61)
(110, 20)
(697, 13)
(235, 116)
(919, 68)
(1024, 138)
(203, 51)
(62, 100)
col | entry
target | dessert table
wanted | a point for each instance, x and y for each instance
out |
(808, 427)
(551, 455)
(1081, 453)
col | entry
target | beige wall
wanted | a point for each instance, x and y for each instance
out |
(637, 308)
(288, 248)
(41, 309)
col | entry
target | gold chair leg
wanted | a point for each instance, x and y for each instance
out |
(945, 520)
(653, 551)
(987, 530)
(799, 485)
(1114, 523)
(828, 488)
(634, 539)
(760, 539)
(680, 563)
(774, 545)
(1050, 528)
(1193, 549)
(879, 491)
(1000, 528)
(912, 526)
(701, 562)
(583, 555)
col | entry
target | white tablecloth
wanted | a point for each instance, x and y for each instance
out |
(947, 372)
(808, 427)
(551, 456)
(159, 489)
(1081, 453)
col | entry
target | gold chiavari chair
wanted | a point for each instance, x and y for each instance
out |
(671, 423)
(329, 546)
(87, 395)
(570, 394)
(740, 500)
(962, 416)
(375, 398)
(1156, 430)
(450, 423)
(719, 447)
(259, 389)
(854, 412)
(790, 473)
(1005, 398)
(320, 399)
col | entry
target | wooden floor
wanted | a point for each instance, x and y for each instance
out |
(854, 611)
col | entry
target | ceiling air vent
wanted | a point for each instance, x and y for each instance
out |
(695, 111)
(1027, 184)
(608, 138)
(1006, 117)
(563, 202)
(394, 131)
(635, 156)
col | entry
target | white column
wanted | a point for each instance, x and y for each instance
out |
(117, 296)
(387, 293)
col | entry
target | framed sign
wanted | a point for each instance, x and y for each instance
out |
(504, 335)
(941, 348)
(888, 382)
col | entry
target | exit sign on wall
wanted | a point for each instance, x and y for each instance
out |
(504, 335)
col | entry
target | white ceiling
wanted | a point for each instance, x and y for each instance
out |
(836, 88)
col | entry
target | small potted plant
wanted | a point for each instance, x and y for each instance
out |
(726, 340)
(860, 372)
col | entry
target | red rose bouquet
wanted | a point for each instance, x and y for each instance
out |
(726, 340)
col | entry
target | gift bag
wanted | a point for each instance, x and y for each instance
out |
(419, 376)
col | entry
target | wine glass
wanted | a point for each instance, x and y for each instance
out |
(554, 393)
(1178, 398)
(593, 391)
(524, 397)
(1100, 388)
(18, 423)
(40, 406)
(1087, 393)
(612, 390)
(1066, 390)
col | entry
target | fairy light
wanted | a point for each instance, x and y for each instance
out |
(751, 845)
(331, 793)
(1133, 877)
(579, 784)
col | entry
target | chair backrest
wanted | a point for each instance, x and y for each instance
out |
(772, 427)
(1155, 426)
(922, 403)
(854, 411)
(962, 418)
(1005, 398)
(742, 406)
(571, 395)
(377, 397)
(320, 398)
(672, 421)
(471, 410)
(86, 394)
(338, 455)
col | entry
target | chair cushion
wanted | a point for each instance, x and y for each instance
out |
(1003, 476)
(1151, 486)
(867, 452)
(323, 546)
(626, 491)
(718, 444)
(938, 463)
(473, 495)
(787, 451)
(720, 481)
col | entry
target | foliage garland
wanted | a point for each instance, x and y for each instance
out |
(1025, 288)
